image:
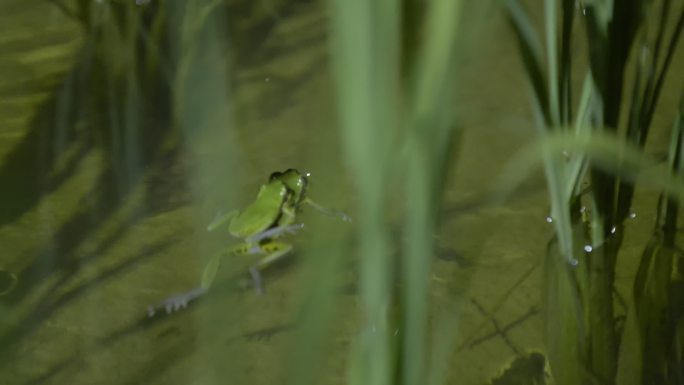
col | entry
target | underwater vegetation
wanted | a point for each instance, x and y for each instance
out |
(123, 183)
(592, 184)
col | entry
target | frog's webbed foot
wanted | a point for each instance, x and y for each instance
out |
(275, 231)
(176, 302)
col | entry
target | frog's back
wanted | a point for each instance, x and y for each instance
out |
(262, 213)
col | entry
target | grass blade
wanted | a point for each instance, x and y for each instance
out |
(550, 23)
(605, 151)
(531, 50)
(429, 131)
(367, 87)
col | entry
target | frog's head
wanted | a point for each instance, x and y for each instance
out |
(294, 181)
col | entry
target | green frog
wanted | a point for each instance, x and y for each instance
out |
(259, 225)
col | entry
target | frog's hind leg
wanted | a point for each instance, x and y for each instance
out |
(274, 251)
(211, 268)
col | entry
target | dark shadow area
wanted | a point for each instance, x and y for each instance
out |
(141, 325)
(89, 112)
(144, 322)
(96, 110)
(51, 303)
(250, 26)
(25, 173)
(183, 339)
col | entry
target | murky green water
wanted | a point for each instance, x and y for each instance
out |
(92, 244)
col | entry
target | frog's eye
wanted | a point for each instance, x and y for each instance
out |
(303, 182)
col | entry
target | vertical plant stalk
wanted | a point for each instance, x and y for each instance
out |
(613, 196)
(365, 37)
(655, 307)
(550, 23)
(547, 116)
(611, 28)
(565, 63)
(644, 100)
(428, 137)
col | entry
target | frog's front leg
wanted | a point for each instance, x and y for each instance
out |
(275, 232)
(330, 212)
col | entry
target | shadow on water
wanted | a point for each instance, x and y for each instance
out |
(139, 326)
(83, 116)
(25, 173)
(160, 362)
(90, 112)
(50, 303)
(253, 24)
(182, 339)
(28, 173)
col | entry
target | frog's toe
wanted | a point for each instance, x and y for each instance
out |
(176, 302)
